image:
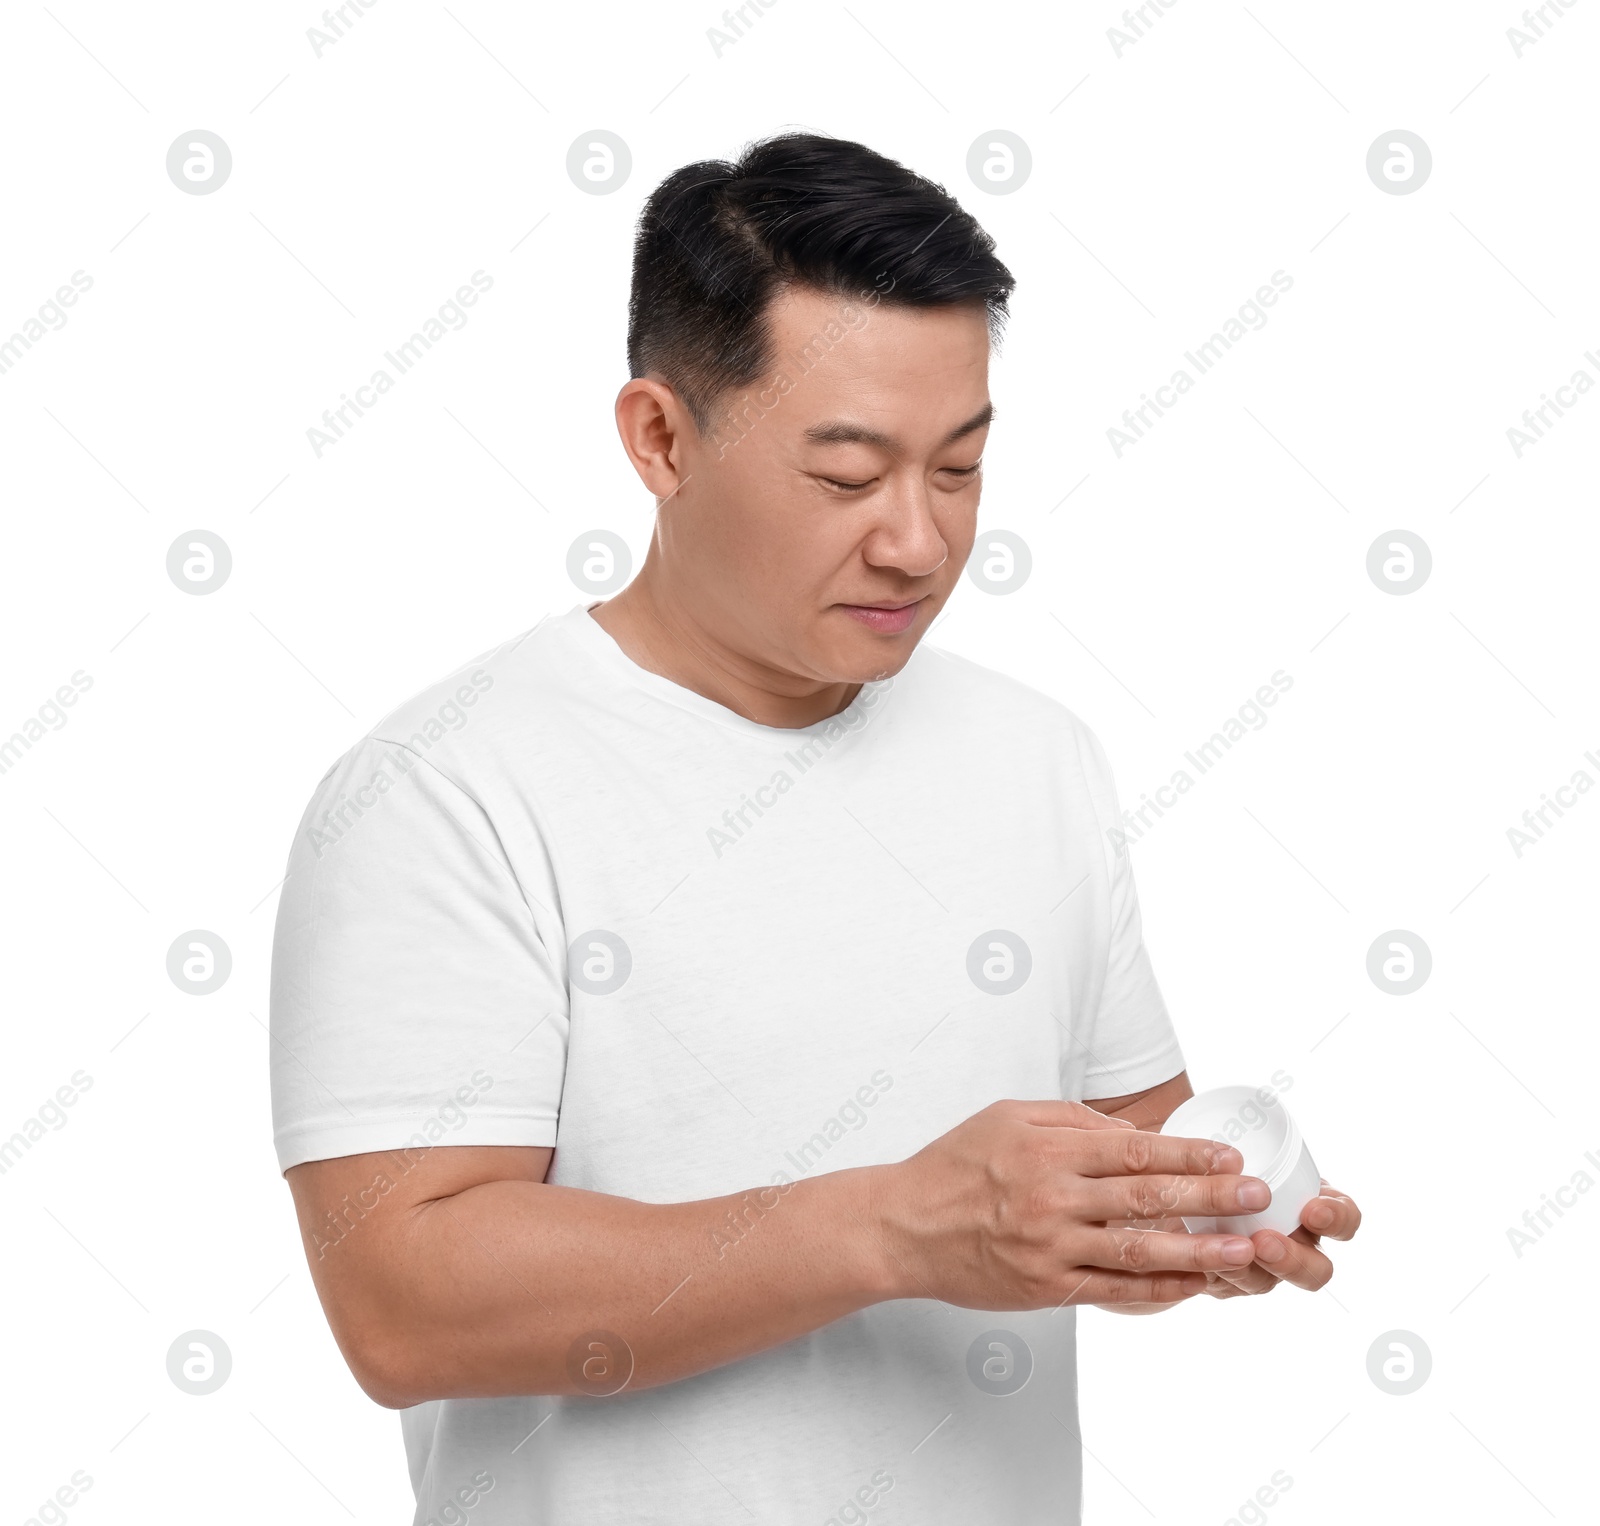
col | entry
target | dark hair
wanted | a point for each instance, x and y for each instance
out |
(717, 241)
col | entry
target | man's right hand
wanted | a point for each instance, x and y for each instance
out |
(1010, 1210)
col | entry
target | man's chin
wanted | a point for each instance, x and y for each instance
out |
(869, 657)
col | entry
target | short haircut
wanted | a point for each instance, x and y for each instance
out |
(717, 242)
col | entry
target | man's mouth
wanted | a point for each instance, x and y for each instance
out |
(888, 618)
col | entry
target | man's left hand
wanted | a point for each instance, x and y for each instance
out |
(1294, 1258)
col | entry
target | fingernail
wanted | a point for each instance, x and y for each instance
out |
(1317, 1216)
(1270, 1250)
(1253, 1193)
(1225, 1160)
(1238, 1252)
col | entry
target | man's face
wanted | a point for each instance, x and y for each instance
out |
(825, 518)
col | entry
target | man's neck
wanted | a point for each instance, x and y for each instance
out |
(658, 634)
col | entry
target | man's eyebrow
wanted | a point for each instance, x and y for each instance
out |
(840, 432)
(980, 420)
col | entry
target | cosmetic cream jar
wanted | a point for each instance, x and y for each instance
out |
(1269, 1140)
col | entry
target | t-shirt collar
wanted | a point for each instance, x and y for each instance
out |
(599, 643)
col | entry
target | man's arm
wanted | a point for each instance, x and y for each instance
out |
(464, 1274)
(1150, 1108)
(1293, 1258)
(474, 1277)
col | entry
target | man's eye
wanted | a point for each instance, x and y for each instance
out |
(964, 471)
(847, 487)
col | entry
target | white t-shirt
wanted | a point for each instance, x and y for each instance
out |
(560, 900)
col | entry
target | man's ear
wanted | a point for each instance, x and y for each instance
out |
(655, 428)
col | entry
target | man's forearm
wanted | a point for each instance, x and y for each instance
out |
(493, 1290)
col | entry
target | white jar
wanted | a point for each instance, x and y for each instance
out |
(1255, 1122)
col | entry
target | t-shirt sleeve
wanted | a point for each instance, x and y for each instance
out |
(1132, 1044)
(417, 987)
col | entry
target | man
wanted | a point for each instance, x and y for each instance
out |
(693, 1016)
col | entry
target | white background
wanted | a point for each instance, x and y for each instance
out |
(1168, 183)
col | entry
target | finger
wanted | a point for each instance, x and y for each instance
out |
(1332, 1214)
(1220, 1287)
(1163, 1197)
(1303, 1265)
(1093, 1285)
(1153, 1250)
(1061, 1115)
(1252, 1279)
(1136, 1152)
